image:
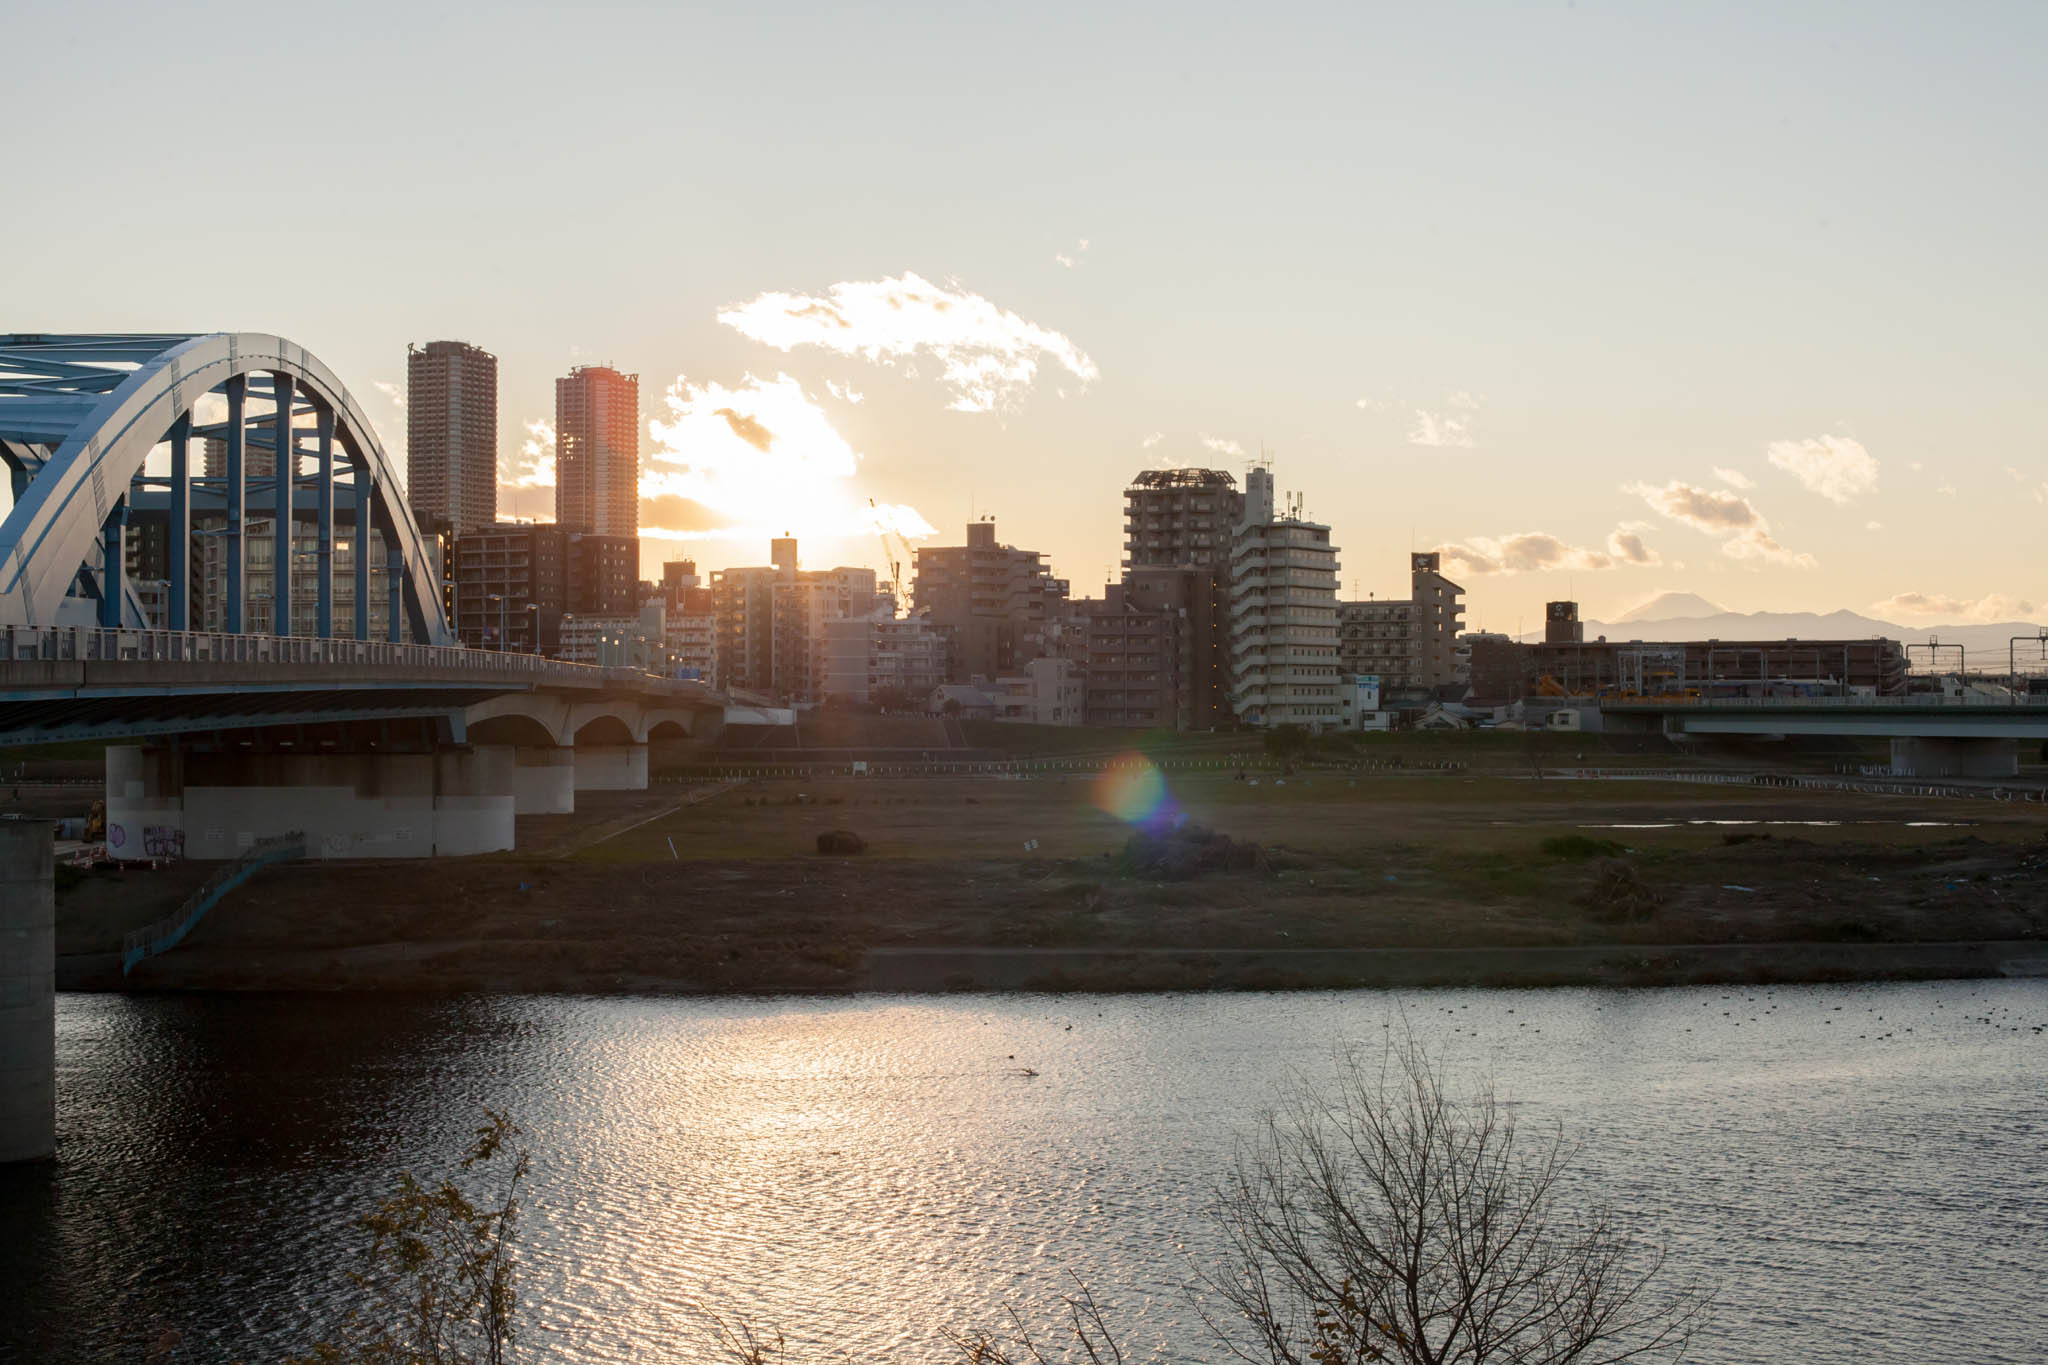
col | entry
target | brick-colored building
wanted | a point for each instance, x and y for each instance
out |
(597, 452)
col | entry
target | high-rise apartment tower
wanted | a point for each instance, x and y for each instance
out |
(597, 451)
(451, 435)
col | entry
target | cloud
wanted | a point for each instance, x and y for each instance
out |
(845, 393)
(1947, 490)
(1704, 509)
(1538, 551)
(1154, 439)
(1223, 447)
(1440, 429)
(1835, 467)
(989, 355)
(1873, 526)
(1991, 607)
(391, 436)
(755, 460)
(1733, 518)
(1625, 543)
(1734, 478)
(1377, 404)
(2015, 474)
(534, 465)
(1078, 258)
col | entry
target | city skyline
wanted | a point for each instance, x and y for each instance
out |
(1602, 304)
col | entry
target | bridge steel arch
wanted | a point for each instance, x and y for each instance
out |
(79, 416)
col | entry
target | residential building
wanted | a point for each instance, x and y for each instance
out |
(613, 639)
(604, 574)
(882, 656)
(693, 635)
(512, 587)
(451, 435)
(597, 452)
(1048, 692)
(209, 579)
(1132, 679)
(771, 631)
(1283, 614)
(991, 601)
(1179, 517)
(1409, 643)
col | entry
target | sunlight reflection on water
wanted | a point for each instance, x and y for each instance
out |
(858, 1174)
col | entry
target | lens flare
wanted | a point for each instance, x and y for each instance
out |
(1133, 790)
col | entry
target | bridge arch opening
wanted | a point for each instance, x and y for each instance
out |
(523, 732)
(605, 730)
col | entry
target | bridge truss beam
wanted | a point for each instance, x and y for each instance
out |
(97, 430)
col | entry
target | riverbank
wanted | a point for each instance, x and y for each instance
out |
(1408, 880)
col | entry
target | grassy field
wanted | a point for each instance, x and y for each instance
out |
(1446, 817)
(730, 894)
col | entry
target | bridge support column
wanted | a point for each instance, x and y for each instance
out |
(474, 801)
(611, 767)
(544, 781)
(167, 802)
(28, 992)
(1992, 758)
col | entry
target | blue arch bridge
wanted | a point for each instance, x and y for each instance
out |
(287, 663)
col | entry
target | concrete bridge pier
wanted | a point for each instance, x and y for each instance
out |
(168, 801)
(611, 767)
(28, 992)
(1993, 758)
(543, 780)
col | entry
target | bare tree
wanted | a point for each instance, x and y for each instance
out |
(438, 1270)
(1389, 1220)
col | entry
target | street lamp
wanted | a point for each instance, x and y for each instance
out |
(534, 607)
(500, 600)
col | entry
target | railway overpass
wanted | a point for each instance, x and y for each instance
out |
(1931, 736)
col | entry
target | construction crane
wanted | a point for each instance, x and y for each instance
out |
(896, 560)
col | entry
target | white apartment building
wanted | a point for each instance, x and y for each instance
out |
(1283, 615)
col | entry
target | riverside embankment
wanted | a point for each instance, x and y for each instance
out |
(1407, 880)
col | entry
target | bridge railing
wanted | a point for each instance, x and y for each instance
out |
(75, 644)
(166, 933)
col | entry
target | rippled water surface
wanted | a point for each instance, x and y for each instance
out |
(1863, 1171)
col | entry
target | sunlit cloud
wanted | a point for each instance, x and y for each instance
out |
(1154, 439)
(756, 460)
(1729, 517)
(1873, 526)
(1991, 607)
(845, 393)
(1734, 478)
(1538, 551)
(534, 465)
(1947, 490)
(989, 356)
(1223, 446)
(1625, 543)
(391, 432)
(1078, 257)
(1836, 467)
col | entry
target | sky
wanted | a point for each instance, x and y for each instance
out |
(1604, 300)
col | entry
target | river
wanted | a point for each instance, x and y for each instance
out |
(1861, 1171)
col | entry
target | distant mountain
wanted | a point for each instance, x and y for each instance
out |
(1984, 644)
(1670, 606)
